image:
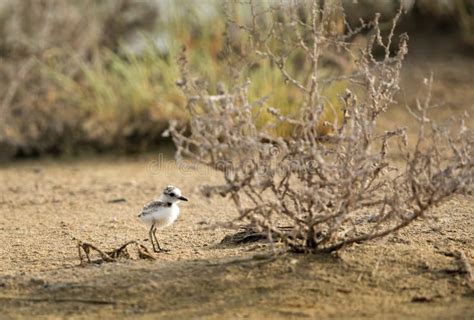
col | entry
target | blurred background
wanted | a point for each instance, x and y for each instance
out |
(88, 76)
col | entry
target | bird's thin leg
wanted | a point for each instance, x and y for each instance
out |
(156, 240)
(151, 236)
(159, 248)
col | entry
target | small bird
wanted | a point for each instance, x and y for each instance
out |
(161, 213)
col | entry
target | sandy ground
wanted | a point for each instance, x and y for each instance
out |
(47, 205)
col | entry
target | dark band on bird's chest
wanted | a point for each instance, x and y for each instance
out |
(160, 204)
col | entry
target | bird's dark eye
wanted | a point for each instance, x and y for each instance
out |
(172, 194)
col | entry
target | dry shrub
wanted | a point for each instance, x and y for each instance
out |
(318, 191)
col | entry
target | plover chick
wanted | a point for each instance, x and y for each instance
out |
(161, 213)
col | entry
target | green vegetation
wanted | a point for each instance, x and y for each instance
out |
(122, 95)
(129, 98)
(102, 75)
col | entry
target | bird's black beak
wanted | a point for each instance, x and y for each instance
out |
(183, 198)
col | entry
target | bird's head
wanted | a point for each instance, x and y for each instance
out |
(172, 194)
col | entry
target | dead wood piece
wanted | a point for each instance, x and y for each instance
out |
(246, 236)
(250, 234)
(85, 249)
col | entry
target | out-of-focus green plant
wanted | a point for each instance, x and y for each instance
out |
(122, 95)
(267, 81)
(82, 89)
(115, 89)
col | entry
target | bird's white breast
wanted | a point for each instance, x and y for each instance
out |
(162, 217)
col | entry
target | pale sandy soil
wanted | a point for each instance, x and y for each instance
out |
(47, 205)
(44, 204)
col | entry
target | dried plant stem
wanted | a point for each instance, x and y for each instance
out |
(85, 249)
